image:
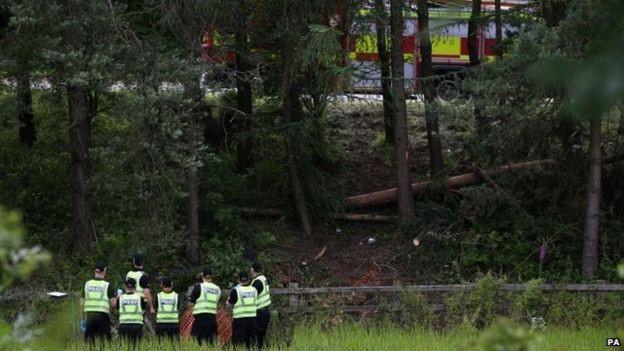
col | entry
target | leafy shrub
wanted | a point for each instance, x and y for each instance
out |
(574, 310)
(531, 303)
(479, 307)
(417, 310)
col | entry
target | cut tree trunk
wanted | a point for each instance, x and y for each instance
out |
(292, 113)
(26, 117)
(436, 161)
(384, 63)
(78, 107)
(405, 200)
(244, 95)
(356, 217)
(498, 24)
(390, 195)
(592, 214)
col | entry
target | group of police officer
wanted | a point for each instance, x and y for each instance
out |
(249, 301)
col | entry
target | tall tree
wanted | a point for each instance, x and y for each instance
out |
(381, 21)
(25, 114)
(188, 20)
(473, 33)
(405, 201)
(592, 214)
(292, 115)
(244, 93)
(474, 24)
(12, 50)
(498, 24)
(78, 45)
(81, 107)
(436, 161)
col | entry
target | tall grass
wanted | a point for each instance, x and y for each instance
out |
(360, 338)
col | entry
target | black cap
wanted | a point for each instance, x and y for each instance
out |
(100, 266)
(131, 283)
(243, 276)
(137, 260)
(206, 272)
(257, 266)
(166, 282)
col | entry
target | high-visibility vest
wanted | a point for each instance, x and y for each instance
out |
(208, 298)
(167, 307)
(96, 296)
(264, 298)
(130, 310)
(245, 305)
(136, 275)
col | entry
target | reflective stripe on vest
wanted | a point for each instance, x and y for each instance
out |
(130, 310)
(245, 305)
(136, 275)
(167, 308)
(96, 296)
(264, 298)
(208, 298)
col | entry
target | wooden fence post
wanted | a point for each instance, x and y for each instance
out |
(293, 299)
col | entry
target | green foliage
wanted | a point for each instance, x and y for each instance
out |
(480, 307)
(418, 311)
(486, 301)
(532, 303)
(507, 336)
(16, 261)
(574, 310)
(581, 66)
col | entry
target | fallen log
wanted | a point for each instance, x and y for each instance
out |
(390, 195)
(356, 217)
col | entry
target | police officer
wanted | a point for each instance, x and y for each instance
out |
(131, 308)
(138, 274)
(167, 316)
(243, 300)
(203, 302)
(260, 283)
(98, 298)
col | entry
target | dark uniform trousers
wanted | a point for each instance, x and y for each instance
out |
(98, 327)
(168, 331)
(204, 327)
(131, 332)
(262, 324)
(244, 331)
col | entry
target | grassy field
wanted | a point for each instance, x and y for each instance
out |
(355, 337)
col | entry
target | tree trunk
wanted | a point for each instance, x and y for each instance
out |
(473, 33)
(390, 195)
(481, 123)
(573, 177)
(405, 201)
(27, 131)
(192, 134)
(78, 106)
(292, 113)
(436, 161)
(244, 96)
(592, 215)
(498, 24)
(384, 65)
